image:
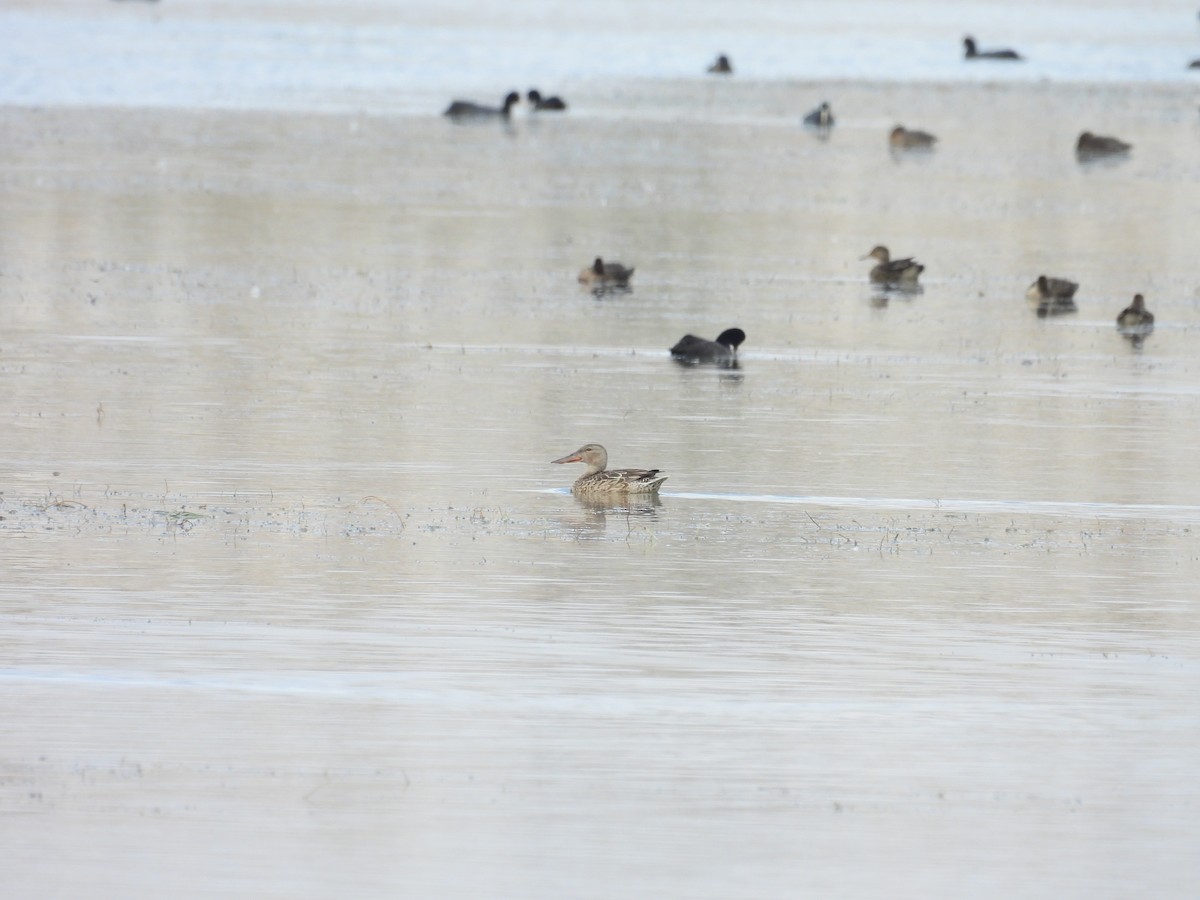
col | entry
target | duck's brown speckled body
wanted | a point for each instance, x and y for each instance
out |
(893, 271)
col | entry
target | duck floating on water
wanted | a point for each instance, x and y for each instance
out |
(538, 103)
(821, 117)
(1092, 146)
(970, 51)
(896, 272)
(602, 274)
(722, 66)
(599, 479)
(1051, 296)
(902, 138)
(722, 351)
(465, 109)
(1135, 315)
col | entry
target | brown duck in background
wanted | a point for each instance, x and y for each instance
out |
(1052, 296)
(1135, 315)
(897, 272)
(902, 138)
(602, 274)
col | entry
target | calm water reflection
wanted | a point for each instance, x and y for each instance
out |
(290, 577)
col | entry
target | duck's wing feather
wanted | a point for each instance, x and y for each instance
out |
(630, 476)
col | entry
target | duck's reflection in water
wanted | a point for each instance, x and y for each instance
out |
(627, 511)
(882, 294)
(609, 290)
(1135, 334)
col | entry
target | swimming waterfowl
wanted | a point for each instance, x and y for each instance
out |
(602, 274)
(893, 271)
(1136, 314)
(722, 351)
(721, 67)
(544, 104)
(903, 139)
(599, 479)
(970, 51)
(1194, 64)
(1052, 296)
(465, 109)
(821, 117)
(1049, 288)
(1091, 145)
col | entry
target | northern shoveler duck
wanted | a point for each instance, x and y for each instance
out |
(821, 117)
(599, 479)
(1093, 145)
(602, 274)
(902, 138)
(721, 67)
(1135, 314)
(465, 109)
(538, 103)
(970, 51)
(893, 271)
(1052, 296)
(722, 351)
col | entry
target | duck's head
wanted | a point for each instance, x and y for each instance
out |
(969, 45)
(1043, 284)
(880, 253)
(534, 96)
(592, 455)
(1139, 303)
(511, 100)
(598, 266)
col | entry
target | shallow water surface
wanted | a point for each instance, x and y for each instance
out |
(400, 56)
(290, 577)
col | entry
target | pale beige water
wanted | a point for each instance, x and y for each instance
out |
(296, 606)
